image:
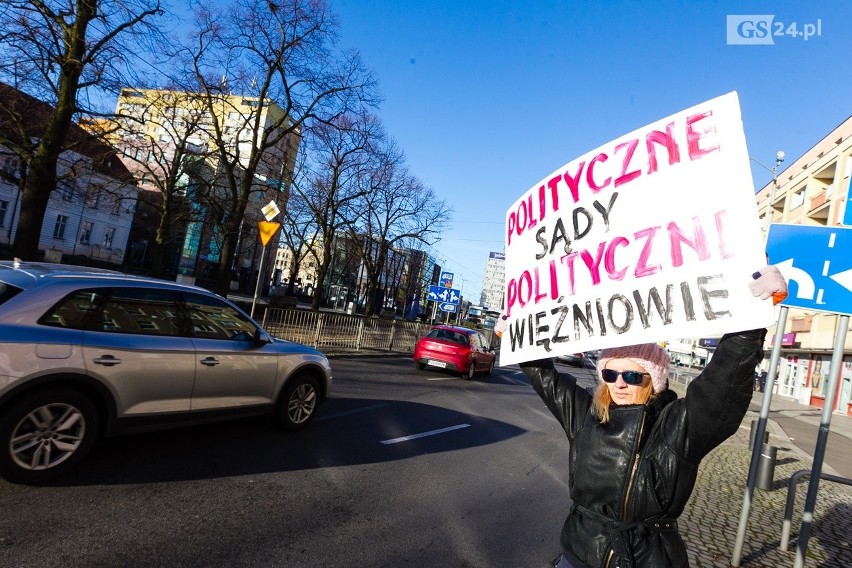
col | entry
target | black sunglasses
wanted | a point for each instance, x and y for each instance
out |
(630, 377)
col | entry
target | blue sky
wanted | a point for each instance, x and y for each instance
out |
(487, 98)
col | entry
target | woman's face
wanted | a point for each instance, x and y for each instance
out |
(621, 392)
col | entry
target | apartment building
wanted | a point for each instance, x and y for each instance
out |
(812, 190)
(494, 282)
(168, 139)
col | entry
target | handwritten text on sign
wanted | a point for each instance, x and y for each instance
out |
(650, 237)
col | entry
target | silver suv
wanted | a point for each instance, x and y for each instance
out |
(86, 353)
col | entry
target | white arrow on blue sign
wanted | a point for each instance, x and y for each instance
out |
(441, 294)
(817, 264)
(448, 307)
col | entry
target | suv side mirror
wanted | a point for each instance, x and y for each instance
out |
(261, 337)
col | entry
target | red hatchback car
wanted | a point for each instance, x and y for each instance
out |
(459, 349)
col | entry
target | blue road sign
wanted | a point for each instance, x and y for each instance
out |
(447, 279)
(441, 294)
(447, 307)
(817, 264)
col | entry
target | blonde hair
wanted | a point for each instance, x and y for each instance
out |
(602, 399)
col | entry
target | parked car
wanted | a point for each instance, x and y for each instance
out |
(575, 359)
(459, 349)
(86, 353)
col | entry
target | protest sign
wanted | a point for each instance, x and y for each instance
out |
(650, 237)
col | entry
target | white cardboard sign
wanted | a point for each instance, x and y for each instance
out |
(653, 236)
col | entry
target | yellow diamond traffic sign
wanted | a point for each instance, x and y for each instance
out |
(270, 210)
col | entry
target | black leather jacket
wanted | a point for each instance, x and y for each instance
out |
(631, 478)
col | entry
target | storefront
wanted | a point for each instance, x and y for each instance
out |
(807, 376)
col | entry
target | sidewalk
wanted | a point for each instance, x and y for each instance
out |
(709, 522)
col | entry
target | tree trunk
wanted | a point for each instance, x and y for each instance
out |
(222, 284)
(42, 176)
(321, 273)
(34, 199)
(157, 259)
(294, 273)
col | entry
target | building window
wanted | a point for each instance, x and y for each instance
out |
(66, 189)
(112, 204)
(109, 234)
(59, 228)
(798, 198)
(92, 196)
(4, 207)
(86, 232)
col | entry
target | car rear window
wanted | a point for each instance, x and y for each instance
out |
(75, 310)
(448, 335)
(140, 311)
(8, 291)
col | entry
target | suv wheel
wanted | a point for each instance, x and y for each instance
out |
(298, 403)
(46, 434)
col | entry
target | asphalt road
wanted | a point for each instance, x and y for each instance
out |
(401, 467)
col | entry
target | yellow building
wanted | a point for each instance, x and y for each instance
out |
(812, 190)
(154, 126)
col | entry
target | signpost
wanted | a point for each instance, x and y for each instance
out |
(439, 293)
(817, 265)
(818, 260)
(265, 231)
(445, 298)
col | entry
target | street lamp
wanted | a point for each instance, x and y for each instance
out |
(779, 159)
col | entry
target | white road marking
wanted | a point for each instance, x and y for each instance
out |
(444, 379)
(424, 434)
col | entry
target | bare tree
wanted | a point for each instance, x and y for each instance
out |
(340, 156)
(397, 209)
(299, 232)
(57, 50)
(298, 236)
(164, 142)
(264, 69)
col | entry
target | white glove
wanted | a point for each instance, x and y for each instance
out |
(768, 283)
(500, 326)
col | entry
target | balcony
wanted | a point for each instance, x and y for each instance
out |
(819, 205)
(818, 201)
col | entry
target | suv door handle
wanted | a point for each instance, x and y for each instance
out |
(107, 360)
(209, 361)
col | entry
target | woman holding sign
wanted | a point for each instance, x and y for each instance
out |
(636, 447)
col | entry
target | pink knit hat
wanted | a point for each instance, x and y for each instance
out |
(649, 356)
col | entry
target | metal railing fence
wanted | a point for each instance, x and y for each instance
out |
(331, 331)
